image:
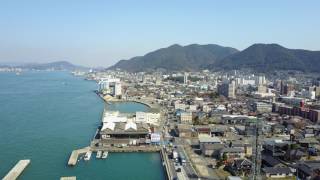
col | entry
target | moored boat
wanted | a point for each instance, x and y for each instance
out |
(104, 155)
(87, 156)
(99, 154)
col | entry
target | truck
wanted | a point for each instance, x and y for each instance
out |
(175, 154)
(182, 158)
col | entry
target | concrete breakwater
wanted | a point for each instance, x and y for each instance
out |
(75, 155)
(15, 172)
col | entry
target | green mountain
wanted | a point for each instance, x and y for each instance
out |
(176, 57)
(258, 57)
(269, 57)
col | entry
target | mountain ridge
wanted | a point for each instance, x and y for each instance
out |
(268, 57)
(258, 57)
(177, 57)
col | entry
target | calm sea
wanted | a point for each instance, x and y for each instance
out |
(46, 115)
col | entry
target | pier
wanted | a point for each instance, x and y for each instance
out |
(15, 172)
(75, 154)
(128, 149)
(69, 178)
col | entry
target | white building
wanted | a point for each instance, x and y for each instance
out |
(178, 105)
(308, 94)
(185, 78)
(262, 107)
(110, 86)
(193, 108)
(148, 117)
(186, 117)
(260, 80)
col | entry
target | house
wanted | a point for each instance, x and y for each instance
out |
(203, 130)
(270, 161)
(232, 153)
(294, 155)
(211, 150)
(207, 139)
(245, 146)
(218, 131)
(275, 148)
(308, 142)
(277, 172)
(185, 130)
(308, 169)
(242, 166)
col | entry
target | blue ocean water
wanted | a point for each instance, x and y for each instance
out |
(46, 115)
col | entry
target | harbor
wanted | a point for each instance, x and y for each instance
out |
(69, 124)
(102, 153)
(120, 133)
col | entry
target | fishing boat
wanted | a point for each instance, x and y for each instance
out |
(99, 154)
(104, 155)
(87, 156)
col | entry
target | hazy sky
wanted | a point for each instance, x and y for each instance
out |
(99, 33)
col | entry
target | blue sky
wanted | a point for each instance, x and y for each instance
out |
(99, 33)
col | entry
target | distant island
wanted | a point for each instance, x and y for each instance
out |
(57, 65)
(258, 57)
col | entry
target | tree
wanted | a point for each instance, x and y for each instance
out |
(224, 156)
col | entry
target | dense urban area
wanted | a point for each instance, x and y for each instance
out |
(217, 125)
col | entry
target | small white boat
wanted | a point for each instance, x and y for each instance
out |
(99, 154)
(87, 156)
(104, 155)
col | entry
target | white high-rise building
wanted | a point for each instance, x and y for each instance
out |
(260, 80)
(185, 78)
(110, 86)
(117, 89)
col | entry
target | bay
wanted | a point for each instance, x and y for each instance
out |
(46, 115)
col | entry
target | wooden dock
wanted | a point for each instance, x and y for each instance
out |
(15, 172)
(75, 154)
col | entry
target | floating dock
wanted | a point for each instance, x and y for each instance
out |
(15, 172)
(75, 154)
